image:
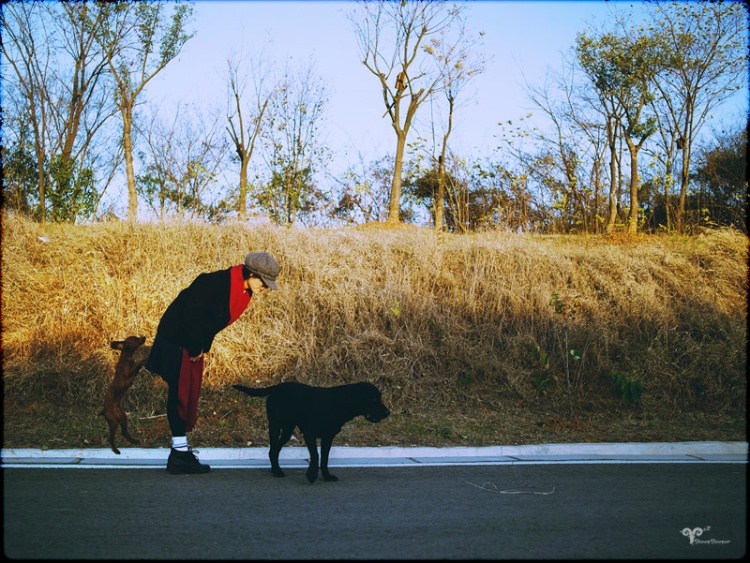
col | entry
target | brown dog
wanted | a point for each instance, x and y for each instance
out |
(125, 373)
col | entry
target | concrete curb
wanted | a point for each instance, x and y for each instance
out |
(343, 456)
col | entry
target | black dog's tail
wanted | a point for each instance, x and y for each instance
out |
(260, 392)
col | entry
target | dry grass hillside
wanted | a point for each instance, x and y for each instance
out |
(478, 340)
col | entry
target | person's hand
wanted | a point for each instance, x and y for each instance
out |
(198, 357)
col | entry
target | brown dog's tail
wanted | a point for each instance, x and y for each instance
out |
(260, 392)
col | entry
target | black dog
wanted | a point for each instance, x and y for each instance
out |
(319, 412)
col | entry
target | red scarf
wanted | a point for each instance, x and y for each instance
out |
(191, 373)
(189, 389)
(239, 298)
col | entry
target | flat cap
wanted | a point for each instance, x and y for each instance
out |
(264, 266)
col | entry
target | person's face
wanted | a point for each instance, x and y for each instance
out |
(255, 285)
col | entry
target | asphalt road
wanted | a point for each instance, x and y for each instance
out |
(598, 511)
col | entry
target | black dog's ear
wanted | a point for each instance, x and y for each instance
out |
(117, 345)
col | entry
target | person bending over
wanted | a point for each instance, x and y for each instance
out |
(184, 336)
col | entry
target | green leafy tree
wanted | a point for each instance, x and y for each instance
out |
(72, 194)
(721, 176)
(20, 175)
(704, 45)
(623, 67)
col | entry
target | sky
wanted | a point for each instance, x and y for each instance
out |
(519, 37)
(522, 39)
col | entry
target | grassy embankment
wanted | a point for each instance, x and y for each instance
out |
(478, 340)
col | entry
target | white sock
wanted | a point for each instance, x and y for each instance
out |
(180, 443)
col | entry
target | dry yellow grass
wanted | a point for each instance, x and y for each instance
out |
(446, 326)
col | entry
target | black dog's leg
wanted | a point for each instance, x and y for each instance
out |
(325, 448)
(278, 436)
(312, 470)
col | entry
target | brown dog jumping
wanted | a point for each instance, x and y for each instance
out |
(125, 373)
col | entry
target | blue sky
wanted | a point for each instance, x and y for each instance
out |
(519, 37)
(523, 38)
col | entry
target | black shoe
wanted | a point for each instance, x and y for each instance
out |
(182, 463)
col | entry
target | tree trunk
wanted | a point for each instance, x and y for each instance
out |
(683, 185)
(633, 221)
(613, 189)
(127, 145)
(242, 211)
(394, 205)
(597, 195)
(41, 183)
(441, 172)
(440, 198)
(668, 181)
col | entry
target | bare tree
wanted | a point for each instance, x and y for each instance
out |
(85, 91)
(292, 147)
(576, 145)
(458, 72)
(402, 45)
(559, 158)
(588, 122)
(245, 113)
(59, 74)
(181, 163)
(139, 40)
(501, 198)
(28, 52)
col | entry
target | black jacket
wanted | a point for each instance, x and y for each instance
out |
(198, 313)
